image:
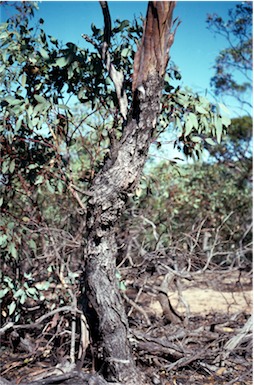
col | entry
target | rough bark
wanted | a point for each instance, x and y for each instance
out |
(110, 189)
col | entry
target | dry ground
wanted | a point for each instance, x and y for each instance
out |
(206, 295)
(217, 306)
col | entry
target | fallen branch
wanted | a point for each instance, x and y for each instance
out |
(236, 340)
(84, 341)
(169, 312)
(6, 327)
(77, 377)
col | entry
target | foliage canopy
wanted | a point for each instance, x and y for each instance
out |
(237, 58)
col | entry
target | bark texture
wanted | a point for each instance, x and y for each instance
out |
(153, 52)
(110, 189)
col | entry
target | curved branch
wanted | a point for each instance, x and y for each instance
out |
(116, 76)
(107, 21)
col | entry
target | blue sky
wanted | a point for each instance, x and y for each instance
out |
(195, 46)
(193, 51)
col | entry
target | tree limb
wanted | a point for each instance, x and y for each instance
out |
(116, 76)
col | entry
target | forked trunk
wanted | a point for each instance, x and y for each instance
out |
(110, 189)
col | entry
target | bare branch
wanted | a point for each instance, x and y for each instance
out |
(116, 76)
(107, 21)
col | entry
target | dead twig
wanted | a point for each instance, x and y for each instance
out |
(235, 341)
(6, 327)
(168, 311)
(137, 297)
(84, 341)
(138, 308)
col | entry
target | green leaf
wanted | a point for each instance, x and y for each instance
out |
(39, 179)
(1, 201)
(125, 52)
(31, 291)
(61, 62)
(123, 24)
(42, 285)
(53, 40)
(196, 139)
(35, 121)
(201, 110)
(194, 121)
(218, 128)
(118, 274)
(18, 123)
(13, 101)
(12, 308)
(17, 317)
(40, 99)
(43, 36)
(4, 35)
(18, 293)
(210, 141)
(9, 282)
(60, 186)
(191, 122)
(3, 26)
(12, 166)
(63, 107)
(32, 166)
(2, 68)
(5, 166)
(23, 298)
(12, 250)
(23, 79)
(44, 54)
(225, 121)
(70, 72)
(188, 127)
(40, 108)
(32, 244)
(204, 123)
(49, 187)
(178, 124)
(11, 225)
(122, 286)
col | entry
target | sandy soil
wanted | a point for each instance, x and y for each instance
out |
(211, 297)
(205, 301)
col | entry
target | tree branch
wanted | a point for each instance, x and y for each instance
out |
(107, 22)
(116, 76)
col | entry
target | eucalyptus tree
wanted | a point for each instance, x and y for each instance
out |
(123, 85)
(233, 65)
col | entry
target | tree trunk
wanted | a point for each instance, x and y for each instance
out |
(110, 189)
